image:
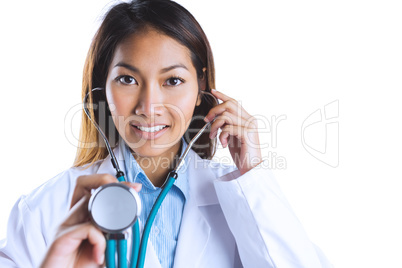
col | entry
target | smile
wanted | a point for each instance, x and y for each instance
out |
(150, 133)
(151, 129)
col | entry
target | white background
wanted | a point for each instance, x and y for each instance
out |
(278, 58)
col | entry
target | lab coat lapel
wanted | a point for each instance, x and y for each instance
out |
(193, 237)
(151, 259)
(194, 229)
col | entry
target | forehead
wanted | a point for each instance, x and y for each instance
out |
(150, 48)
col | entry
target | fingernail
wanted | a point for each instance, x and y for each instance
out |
(212, 89)
(136, 186)
(206, 119)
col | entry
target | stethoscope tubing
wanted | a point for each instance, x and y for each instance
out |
(135, 247)
(138, 248)
(144, 240)
(111, 253)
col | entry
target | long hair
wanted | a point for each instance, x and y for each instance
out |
(121, 21)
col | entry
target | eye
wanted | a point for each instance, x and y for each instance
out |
(126, 80)
(174, 81)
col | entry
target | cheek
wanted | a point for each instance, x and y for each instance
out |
(119, 111)
(183, 109)
(117, 104)
(189, 109)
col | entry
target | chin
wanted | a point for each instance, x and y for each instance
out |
(152, 148)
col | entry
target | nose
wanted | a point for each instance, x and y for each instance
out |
(149, 101)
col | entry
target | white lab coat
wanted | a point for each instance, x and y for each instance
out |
(228, 220)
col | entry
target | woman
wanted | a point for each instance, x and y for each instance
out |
(156, 69)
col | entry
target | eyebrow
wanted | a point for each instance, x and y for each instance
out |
(167, 69)
(164, 70)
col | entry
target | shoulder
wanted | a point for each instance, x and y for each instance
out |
(47, 205)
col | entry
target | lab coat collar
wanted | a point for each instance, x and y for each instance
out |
(200, 178)
(202, 193)
(134, 173)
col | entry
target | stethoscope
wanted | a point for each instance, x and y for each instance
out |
(115, 207)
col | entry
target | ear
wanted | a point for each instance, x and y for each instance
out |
(202, 84)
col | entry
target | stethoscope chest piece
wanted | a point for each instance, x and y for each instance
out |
(114, 207)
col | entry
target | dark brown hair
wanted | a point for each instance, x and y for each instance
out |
(121, 21)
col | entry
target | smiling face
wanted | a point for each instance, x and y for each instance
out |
(152, 90)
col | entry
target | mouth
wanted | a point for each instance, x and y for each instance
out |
(150, 132)
(151, 129)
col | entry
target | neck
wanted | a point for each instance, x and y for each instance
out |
(158, 167)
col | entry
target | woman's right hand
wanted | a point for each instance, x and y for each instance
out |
(78, 242)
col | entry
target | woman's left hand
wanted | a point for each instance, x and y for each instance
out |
(239, 132)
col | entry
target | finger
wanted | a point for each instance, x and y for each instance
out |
(225, 118)
(86, 183)
(217, 110)
(231, 106)
(228, 131)
(220, 95)
(223, 137)
(246, 136)
(97, 239)
(135, 185)
(71, 239)
(78, 213)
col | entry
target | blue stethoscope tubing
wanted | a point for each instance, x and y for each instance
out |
(138, 249)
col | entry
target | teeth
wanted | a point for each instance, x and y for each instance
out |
(151, 129)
